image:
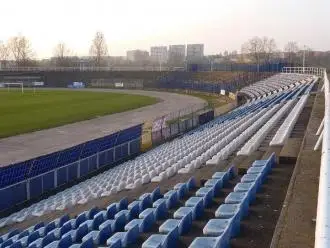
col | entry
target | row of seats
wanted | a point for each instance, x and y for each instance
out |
(183, 155)
(253, 143)
(226, 225)
(96, 226)
(274, 84)
(155, 165)
(285, 129)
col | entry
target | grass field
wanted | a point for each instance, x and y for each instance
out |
(22, 113)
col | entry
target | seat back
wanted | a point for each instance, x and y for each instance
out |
(185, 223)
(191, 184)
(80, 219)
(98, 219)
(88, 243)
(171, 238)
(120, 222)
(122, 204)
(81, 232)
(63, 219)
(65, 242)
(131, 235)
(48, 239)
(111, 211)
(104, 234)
(49, 227)
(155, 195)
(92, 212)
(33, 236)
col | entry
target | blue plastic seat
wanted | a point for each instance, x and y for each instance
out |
(233, 211)
(207, 194)
(145, 223)
(59, 232)
(80, 219)
(216, 184)
(25, 233)
(116, 224)
(129, 214)
(122, 239)
(183, 225)
(182, 189)
(65, 242)
(210, 242)
(256, 170)
(49, 227)
(162, 240)
(99, 237)
(31, 229)
(26, 240)
(10, 234)
(195, 205)
(171, 198)
(78, 234)
(191, 183)
(250, 178)
(218, 227)
(91, 213)
(144, 202)
(221, 175)
(6, 243)
(160, 212)
(122, 204)
(156, 194)
(59, 222)
(249, 188)
(86, 244)
(42, 242)
(239, 198)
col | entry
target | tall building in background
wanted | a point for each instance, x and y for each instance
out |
(137, 56)
(176, 55)
(158, 54)
(195, 52)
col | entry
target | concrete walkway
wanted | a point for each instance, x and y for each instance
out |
(26, 146)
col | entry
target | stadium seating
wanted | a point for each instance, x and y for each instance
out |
(206, 145)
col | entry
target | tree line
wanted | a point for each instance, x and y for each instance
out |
(256, 50)
(19, 49)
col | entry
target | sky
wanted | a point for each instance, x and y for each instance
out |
(138, 24)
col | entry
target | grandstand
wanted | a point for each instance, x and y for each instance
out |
(202, 184)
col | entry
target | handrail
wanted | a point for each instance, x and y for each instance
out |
(322, 230)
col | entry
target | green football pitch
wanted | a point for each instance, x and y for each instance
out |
(31, 111)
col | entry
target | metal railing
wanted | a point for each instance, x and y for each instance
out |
(73, 171)
(322, 230)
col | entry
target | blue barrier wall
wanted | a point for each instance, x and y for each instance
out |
(30, 179)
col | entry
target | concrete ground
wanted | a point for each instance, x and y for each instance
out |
(26, 146)
(296, 226)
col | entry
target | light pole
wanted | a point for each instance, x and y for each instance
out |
(304, 58)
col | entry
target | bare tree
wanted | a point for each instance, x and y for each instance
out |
(98, 48)
(4, 54)
(269, 49)
(291, 50)
(260, 50)
(20, 48)
(61, 55)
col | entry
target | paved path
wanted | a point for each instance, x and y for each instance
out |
(26, 146)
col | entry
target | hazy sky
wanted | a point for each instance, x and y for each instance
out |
(131, 24)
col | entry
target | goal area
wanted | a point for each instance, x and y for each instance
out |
(14, 85)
